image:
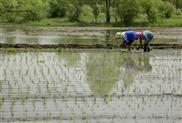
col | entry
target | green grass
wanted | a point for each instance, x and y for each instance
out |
(1, 82)
(41, 61)
(52, 22)
(59, 50)
(174, 21)
(12, 50)
(1, 98)
(89, 21)
(1, 101)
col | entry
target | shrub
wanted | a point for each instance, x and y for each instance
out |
(23, 10)
(96, 10)
(127, 10)
(150, 9)
(12, 50)
(35, 9)
(178, 12)
(166, 9)
(58, 8)
(75, 10)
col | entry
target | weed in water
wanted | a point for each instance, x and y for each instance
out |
(47, 86)
(59, 50)
(12, 50)
(1, 101)
(41, 61)
(1, 82)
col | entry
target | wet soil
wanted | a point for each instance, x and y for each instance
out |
(80, 46)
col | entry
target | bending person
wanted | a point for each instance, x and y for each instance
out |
(128, 38)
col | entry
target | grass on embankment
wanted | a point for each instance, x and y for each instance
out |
(174, 21)
(88, 21)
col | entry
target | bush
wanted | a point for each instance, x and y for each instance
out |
(150, 9)
(87, 11)
(178, 12)
(8, 9)
(127, 10)
(75, 10)
(35, 9)
(96, 10)
(23, 10)
(166, 9)
(170, 8)
(58, 8)
(12, 50)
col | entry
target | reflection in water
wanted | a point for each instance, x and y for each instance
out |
(70, 58)
(134, 64)
(33, 35)
(1, 97)
(104, 70)
(71, 84)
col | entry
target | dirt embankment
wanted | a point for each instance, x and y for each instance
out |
(79, 46)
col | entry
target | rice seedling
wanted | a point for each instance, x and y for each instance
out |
(1, 83)
(1, 101)
(97, 89)
(54, 99)
(59, 50)
(12, 50)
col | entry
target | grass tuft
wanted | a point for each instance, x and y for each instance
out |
(12, 50)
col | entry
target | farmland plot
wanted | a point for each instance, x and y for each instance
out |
(81, 35)
(91, 86)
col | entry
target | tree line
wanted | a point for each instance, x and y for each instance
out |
(121, 10)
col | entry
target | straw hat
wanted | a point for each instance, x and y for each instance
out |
(119, 35)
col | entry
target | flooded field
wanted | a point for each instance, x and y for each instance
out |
(95, 86)
(89, 85)
(81, 35)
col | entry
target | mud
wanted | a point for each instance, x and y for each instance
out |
(79, 46)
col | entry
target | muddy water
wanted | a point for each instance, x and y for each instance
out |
(80, 35)
(91, 86)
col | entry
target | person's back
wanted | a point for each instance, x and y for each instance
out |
(130, 36)
(147, 37)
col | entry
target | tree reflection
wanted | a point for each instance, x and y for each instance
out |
(70, 57)
(133, 65)
(104, 70)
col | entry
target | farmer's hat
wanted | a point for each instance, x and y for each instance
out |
(118, 35)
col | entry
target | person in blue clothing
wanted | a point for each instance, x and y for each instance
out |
(130, 36)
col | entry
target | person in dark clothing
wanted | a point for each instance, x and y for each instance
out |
(147, 37)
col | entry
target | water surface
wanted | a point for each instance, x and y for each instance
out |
(91, 86)
(80, 35)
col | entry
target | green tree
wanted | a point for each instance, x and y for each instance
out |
(96, 11)
(58, 8)
(75, 9)
(9, 9)
(176, 3)
(151, 10)
(127, 10)
(94, 4)
(35, 9)
(108, 7)
(166, 9)
(23, 10)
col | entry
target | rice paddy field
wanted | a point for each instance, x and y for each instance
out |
(89, 85)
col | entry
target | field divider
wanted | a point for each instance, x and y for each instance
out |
(81, 46)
